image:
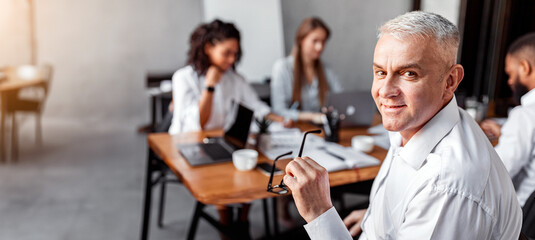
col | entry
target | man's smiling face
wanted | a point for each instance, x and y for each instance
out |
(408, 84)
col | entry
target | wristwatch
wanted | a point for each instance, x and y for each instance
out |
(210, 89)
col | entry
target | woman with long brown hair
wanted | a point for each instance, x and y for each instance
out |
(300, 82)
(205, 89)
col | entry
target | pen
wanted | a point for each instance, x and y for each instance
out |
(326, 126)
(294, 105)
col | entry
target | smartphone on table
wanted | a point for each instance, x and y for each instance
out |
(265, 168)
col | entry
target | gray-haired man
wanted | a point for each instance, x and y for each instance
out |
(441, 178)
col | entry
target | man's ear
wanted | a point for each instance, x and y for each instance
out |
(525, 68)
(453, 79)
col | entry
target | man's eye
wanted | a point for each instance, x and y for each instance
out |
(409, 74)
(380, 73)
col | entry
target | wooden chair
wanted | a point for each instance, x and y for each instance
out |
(22, 103)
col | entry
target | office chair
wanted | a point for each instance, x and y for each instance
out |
(19, 102)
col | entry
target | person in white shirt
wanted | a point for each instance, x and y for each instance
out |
(205, 90)
(516, 145)
(300, 82)
(302, 99)
(441, 178)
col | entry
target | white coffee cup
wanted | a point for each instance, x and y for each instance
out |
(245, 159)
(362, 143)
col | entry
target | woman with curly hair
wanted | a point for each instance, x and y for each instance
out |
(205, 89)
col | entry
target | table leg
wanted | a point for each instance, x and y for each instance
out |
(226, 216)
(242, 226)
(148, 197)
(163, 184)
(275, 217)
(14, 139)
(266, 217)
(195, 220)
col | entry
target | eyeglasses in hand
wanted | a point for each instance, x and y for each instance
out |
(282, 188)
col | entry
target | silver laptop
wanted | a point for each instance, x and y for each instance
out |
(217, 150)
(357, 106)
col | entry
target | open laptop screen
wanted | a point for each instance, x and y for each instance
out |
(239, 131)
(358, 107)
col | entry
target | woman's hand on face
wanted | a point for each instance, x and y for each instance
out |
(213, 75)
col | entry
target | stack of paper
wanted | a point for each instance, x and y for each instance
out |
(331, 156)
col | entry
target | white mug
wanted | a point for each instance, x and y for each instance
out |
(245, 159)
(362, 143)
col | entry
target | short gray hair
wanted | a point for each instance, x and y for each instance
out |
(424, 25)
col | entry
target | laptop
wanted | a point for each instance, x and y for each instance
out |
(218, 150)
(357, 106)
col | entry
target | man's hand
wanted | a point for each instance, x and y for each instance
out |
(354, 220)
(309, 183)
(213, 75)
(492, 129)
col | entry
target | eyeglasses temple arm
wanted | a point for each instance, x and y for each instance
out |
(304, 138)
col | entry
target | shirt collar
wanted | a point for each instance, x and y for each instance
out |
(528, 98)
(424, 141)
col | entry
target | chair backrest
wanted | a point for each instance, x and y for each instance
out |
(45, 72)
(165, 123)
(528, 223)
(36, 93)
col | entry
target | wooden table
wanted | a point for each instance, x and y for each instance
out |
(9, 87)
(221, 184)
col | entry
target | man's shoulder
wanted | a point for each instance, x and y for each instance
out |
(523, 111)
(468, 159)
(471, 168)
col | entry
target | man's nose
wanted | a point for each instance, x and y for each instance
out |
(389, 88)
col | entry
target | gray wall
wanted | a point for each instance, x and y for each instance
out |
(353, 25)
(101, 51)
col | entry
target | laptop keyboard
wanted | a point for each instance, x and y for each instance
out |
(216, 151)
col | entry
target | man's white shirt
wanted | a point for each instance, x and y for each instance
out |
(516, 146)
(447, 182)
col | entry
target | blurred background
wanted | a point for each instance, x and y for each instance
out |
(73, 164)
